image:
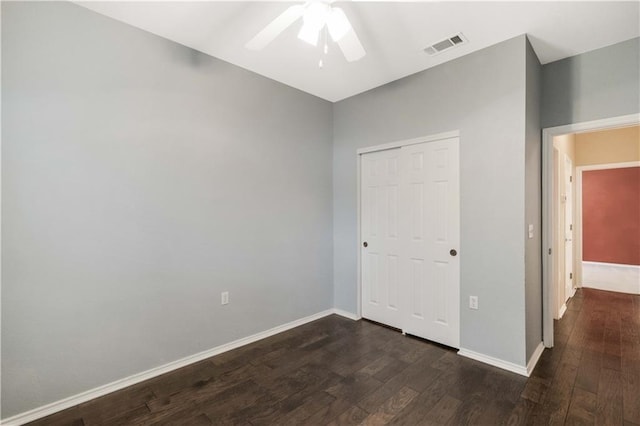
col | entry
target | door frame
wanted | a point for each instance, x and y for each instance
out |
(548, 207)
(374, 148)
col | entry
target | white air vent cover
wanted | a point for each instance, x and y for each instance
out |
(446, 44)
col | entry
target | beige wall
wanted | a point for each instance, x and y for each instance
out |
(607, 146)
(565, 144)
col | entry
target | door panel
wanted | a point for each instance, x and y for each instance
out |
(434, 211)
(380, 230)
(416, 281)
(393, 269)
(410, 222)
(568, 228)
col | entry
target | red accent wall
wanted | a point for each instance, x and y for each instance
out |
(611, 216)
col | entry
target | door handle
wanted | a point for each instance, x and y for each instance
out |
(365, 244)
(453, 252)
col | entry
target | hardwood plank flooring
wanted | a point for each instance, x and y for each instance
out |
(335, 371)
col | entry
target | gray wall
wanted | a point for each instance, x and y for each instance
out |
(483, 96)
(599, 84)
(139, 180)
(533, 204)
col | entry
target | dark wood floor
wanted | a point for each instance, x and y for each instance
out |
(337, 371)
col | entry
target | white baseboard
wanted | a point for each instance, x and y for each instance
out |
(54, 407)
(496, 362)
(563, 309)
(535, 357)
(611, 277)
(346, 314)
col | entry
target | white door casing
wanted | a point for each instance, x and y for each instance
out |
(558, 223)
(410, 222)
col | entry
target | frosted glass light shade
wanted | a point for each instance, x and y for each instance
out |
(310, 34)
(315, 18)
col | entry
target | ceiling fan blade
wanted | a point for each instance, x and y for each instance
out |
(338, 24)
(351, 46)
(275, 27)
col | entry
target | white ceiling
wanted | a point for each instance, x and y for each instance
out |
(394, 35)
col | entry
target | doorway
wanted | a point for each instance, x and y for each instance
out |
(409, 237)
(551, 199)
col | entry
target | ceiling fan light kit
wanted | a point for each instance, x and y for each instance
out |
(319, 14)
(316, 15)
(314, 19)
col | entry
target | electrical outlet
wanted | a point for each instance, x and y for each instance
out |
(473, 302)
(224, 298)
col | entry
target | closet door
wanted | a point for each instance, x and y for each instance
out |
(380, 243)
(430, 241)
(410, 220)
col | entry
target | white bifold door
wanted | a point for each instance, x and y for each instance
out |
(410, 220)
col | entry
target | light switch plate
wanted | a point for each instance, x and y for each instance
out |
(473, 302)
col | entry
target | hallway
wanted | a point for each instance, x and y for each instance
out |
(592, 375)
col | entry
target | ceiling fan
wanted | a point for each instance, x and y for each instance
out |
(316, 16)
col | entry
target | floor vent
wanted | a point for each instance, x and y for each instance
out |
(446, 44)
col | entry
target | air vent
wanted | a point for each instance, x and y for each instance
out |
(445, 44)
